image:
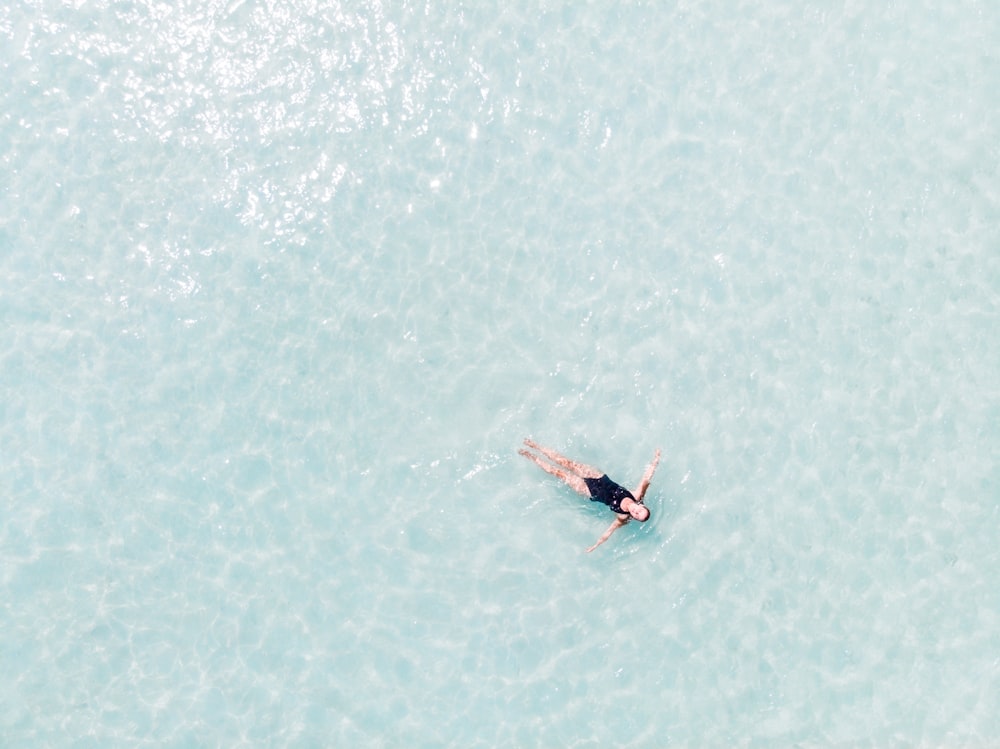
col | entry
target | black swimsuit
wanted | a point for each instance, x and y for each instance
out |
(608, 492)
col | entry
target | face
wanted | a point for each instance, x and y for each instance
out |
(639, 512)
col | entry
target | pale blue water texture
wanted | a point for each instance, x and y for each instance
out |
(284, 284)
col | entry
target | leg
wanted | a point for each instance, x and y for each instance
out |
(580, 469)
(572, 480)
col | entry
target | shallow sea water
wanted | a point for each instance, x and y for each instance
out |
(284, 285)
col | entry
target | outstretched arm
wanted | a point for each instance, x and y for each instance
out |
(647, 477)
(607, 534)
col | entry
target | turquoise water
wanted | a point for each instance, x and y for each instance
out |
(284, 285)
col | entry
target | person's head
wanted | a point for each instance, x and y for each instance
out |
(639, 511)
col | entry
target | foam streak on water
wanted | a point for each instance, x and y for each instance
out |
(284, 285)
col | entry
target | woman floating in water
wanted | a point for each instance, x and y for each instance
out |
(590, 482)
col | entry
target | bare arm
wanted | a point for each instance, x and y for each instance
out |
(607, 534)
(647, 477)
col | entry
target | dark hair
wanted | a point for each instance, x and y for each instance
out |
(648, 513)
